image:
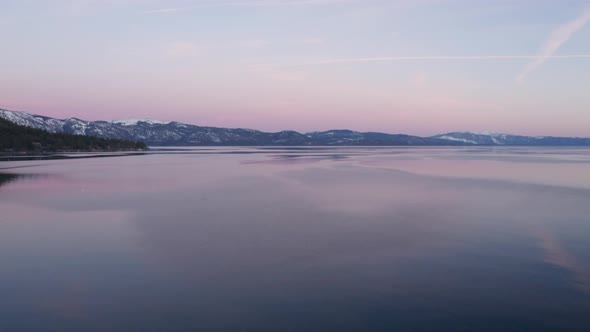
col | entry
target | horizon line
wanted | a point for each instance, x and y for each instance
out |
(485, 132)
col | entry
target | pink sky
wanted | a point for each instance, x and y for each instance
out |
(374, 65)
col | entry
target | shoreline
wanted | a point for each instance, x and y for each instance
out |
(60, 155)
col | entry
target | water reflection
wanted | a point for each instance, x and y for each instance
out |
(296, 159)
(6, 178)
(557, 254)
(293, 241)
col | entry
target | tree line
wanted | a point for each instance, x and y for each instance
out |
(17, 138)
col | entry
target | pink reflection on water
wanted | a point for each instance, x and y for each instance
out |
(574, 174)
(556, 254)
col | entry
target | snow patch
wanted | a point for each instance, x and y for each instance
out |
(457, 139)
(133, 122)
(496, 141)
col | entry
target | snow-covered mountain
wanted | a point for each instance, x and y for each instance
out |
(512, 140)
(160, 133)
(149, 131)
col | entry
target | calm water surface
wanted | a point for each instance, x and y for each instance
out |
(279, 239)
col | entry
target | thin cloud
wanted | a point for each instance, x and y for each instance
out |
(310, 41)
(557, 38)
(167, 10)
(254, 3)
(427, 58)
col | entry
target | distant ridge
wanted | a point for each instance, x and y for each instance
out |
(495, 139)
(161, 133)
(15, 138)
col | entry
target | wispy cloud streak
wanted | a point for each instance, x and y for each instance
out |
(252, 3)
(426, 58)
(557, 38)
(166, 10)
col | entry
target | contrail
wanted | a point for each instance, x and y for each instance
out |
(557, 38)
(251, 3)
(436, 57)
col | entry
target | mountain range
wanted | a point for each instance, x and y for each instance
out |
(160, 133)
(19, 139)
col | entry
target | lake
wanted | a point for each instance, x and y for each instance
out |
(298, 239)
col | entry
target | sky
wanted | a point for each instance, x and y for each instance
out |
(418, 67)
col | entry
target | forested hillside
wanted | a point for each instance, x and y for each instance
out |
(25, 139)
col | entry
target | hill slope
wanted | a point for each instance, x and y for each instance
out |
(512, 140)
(159, 133)
(19, 138)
